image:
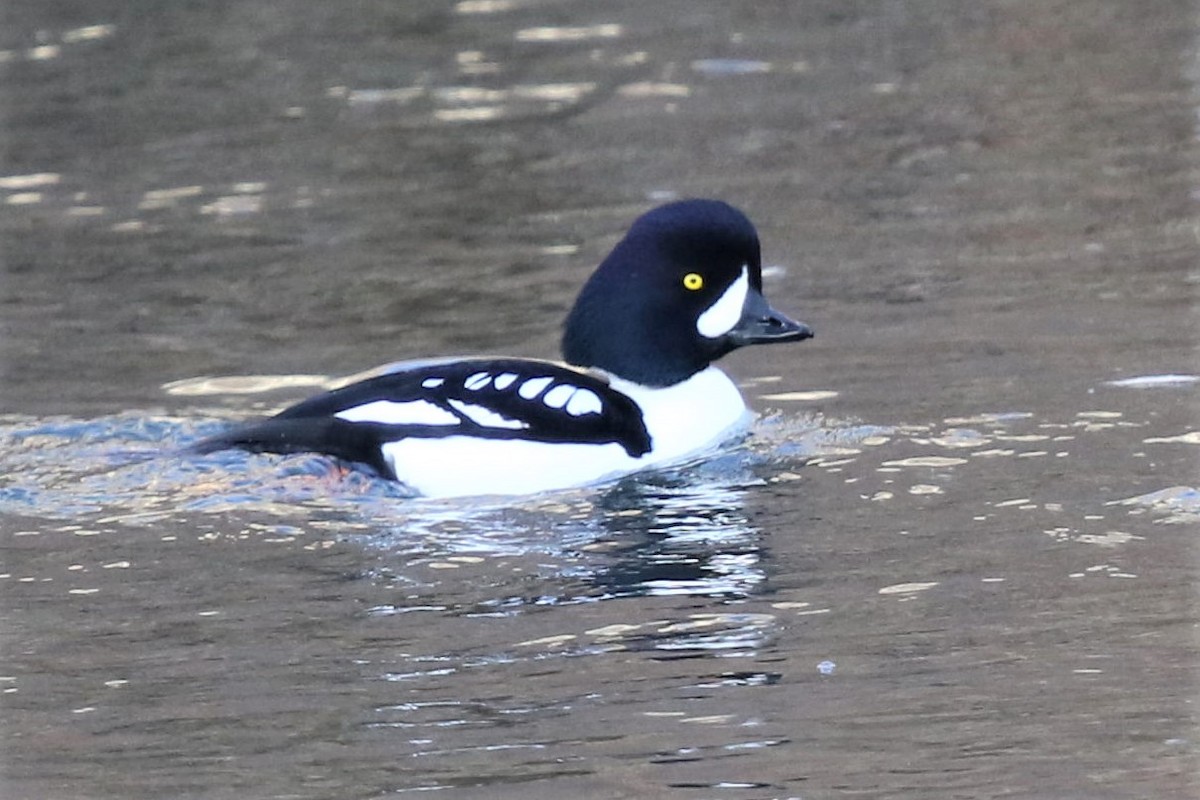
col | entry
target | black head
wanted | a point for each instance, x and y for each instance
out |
(682, 289)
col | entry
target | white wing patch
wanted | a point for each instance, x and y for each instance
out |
(574, 400)
(719, 318)
(533, 387)
(584, 401)
(477, 381)
(558, 396)
(486, 417)
(389, 412)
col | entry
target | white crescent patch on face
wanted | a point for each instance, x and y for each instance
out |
(720, 317)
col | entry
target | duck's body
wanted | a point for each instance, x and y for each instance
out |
(680, 290)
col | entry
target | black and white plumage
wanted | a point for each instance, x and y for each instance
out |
(499, 399)
(682, 289)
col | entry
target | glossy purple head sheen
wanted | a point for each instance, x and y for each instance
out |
(636, 319)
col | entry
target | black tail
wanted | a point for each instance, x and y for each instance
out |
(356, 442)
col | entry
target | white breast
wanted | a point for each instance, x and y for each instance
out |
(691, 416)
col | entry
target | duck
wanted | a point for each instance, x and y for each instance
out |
(636, 388)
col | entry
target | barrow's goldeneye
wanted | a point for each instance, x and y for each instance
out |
(682, 289)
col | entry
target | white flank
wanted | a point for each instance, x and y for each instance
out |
(486, 417)
(457, 466)
(389, 412)
(533, 387)
(558, 396)
(583, 402)
(719, 318)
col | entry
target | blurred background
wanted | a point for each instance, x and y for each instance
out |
(959, 562)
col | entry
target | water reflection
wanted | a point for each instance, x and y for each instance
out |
(672, 537)
(684, 532)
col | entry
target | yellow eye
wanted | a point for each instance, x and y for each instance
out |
(693, 281)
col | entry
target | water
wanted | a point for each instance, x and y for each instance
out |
(955, 559)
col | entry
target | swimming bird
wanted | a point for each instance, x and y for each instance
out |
(636, 389)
